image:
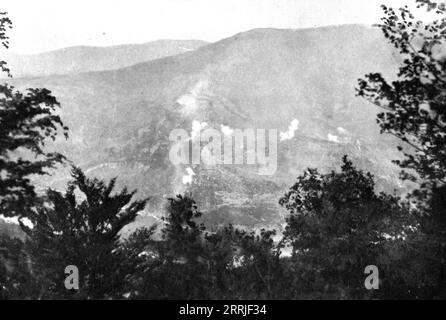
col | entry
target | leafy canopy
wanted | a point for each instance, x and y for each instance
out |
(27, 121)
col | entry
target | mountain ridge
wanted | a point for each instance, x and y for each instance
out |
(120, 119)
(78, 59)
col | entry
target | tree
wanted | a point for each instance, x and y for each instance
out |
(181, 229)
(5, 24)
(81, 232)
(337, 226)
(16, 278)
(415, 112)
(27, 120)
(184, 261)
(174, 265)
(260, 272)
(414, 104)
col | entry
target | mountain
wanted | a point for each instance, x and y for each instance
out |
(303, 80)
(85, 59)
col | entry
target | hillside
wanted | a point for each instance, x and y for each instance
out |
(120, 120)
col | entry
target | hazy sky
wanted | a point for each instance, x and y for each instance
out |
(50, 24)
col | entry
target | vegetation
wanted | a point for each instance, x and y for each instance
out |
(414, 112)
(26, 121)
(337, 223)
(67, 231)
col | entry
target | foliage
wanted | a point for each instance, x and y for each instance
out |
(16, 278)
(81, 232)
(5, 24)
(414, 112)
(186, 262)
(337, 226)
(27, 120)
(414, 103)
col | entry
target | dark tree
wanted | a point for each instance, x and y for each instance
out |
(337, 226)
(415, 112)
(5, 24)
(16, 275)
(81, 231)
(260, 271)
(173, 264)
(181, 228)
(414, 103)
(27, 120)
(184, 261)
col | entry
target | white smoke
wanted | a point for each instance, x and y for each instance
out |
(333, 138)
(226, 130)
(188, 178)
(288, 135)
(358, 144)
(342, 130)
(15, 220)
(189, 101)
(197, 126)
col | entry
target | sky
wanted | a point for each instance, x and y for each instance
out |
(46, 25)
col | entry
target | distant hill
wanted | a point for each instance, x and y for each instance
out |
(120, 120)
(85, 59)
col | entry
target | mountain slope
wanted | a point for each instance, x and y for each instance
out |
(120, 120)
